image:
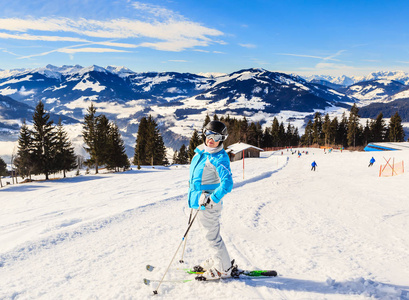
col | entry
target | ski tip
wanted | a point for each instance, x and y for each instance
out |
(149, 268)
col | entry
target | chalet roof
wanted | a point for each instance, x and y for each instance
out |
(238, 147)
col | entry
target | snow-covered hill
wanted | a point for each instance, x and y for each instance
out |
(374, 91)
(337, 233)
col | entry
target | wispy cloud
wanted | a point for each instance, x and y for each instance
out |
(9, 52)
(49, 38)
(250, 46)
(178, 60)
(330, 57)
(156, 10)
(88, 49)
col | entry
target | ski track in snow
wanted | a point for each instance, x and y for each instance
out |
(330, 234)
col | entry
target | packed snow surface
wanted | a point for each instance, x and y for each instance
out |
(340, 232)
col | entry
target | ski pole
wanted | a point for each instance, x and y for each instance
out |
(155, 292)
(184, 246)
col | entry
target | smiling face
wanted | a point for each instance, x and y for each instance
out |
(211, 143)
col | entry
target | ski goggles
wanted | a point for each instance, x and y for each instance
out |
(217, 137)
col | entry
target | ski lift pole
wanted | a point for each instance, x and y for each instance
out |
(155, 292)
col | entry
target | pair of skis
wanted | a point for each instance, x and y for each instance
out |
(246, 273)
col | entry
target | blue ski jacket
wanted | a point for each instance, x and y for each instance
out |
(210, 173)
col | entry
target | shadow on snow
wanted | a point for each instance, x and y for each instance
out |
(359, 286)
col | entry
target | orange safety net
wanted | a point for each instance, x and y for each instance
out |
(391, 169)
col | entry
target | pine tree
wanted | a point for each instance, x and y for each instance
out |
(317, 129)
(102, 142)
(89, 133)
(252, 135)
(367, 133)
(334, 129)
(281, 135)
(65, 155)
(182, 157)
(396, 133)
(353, 126)
(193, 143)
(159, 157)
(175, 158)
(342, 131)
(43, 141)
(267, 140)
(3, 170)
(326, 129)
(206, 121)
(116, 156)
(141, 141)
(243, 127)
(378, 129)
(24, 159)
(150, 148)
(307, 138)
(275, 132)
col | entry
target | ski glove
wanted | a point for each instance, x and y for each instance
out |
(204, 200)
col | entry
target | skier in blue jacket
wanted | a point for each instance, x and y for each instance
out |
(371, 162)
(210, 180)
(313, 165)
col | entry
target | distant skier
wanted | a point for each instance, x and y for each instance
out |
(210, 180)
(313, 165)
(371, 162)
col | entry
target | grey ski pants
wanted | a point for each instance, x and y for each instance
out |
(209, 220)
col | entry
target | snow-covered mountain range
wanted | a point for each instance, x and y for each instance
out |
(399, 76)
(180, 101)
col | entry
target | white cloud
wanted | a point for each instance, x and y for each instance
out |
(250, 46)
(178, 60)
(170, 34)
(48, 38)
(88, 49)
(155, 10)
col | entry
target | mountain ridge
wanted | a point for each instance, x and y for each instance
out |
(180, 101)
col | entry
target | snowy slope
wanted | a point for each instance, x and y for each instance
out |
(337, 233)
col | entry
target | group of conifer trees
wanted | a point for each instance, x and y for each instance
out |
(150, 148)
(44, 149)
(103, 142)
(276, 135)
(348, 132)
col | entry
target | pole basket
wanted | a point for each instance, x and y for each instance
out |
(391, 168)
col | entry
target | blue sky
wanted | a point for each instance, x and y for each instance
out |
(291, 36)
